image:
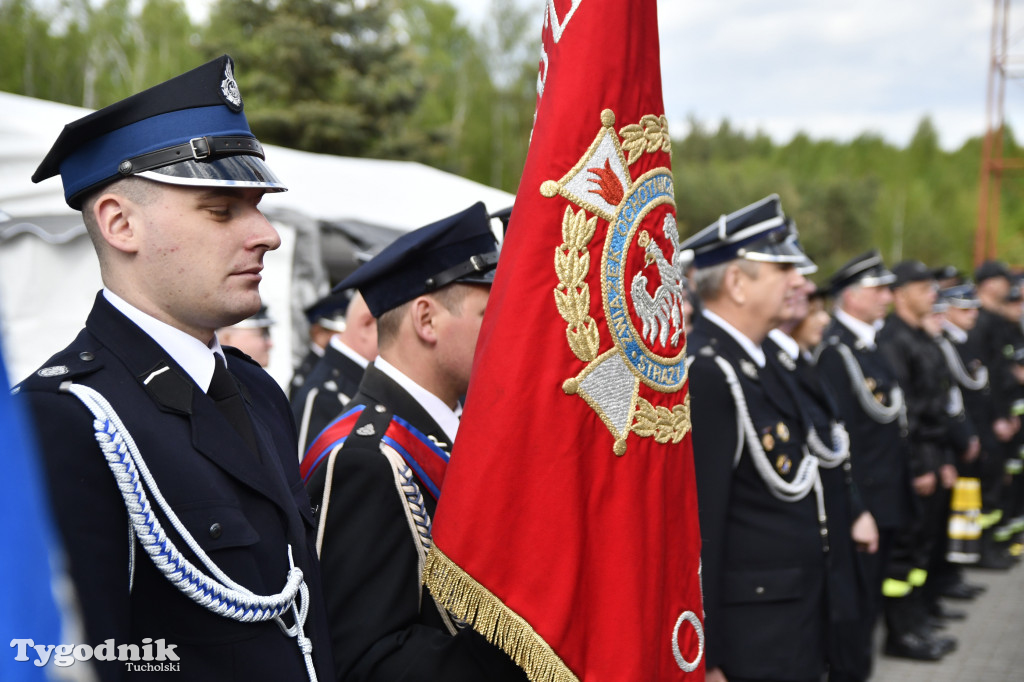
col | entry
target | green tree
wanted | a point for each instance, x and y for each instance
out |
(327, 76)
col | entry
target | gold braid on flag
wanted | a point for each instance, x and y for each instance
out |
(473, 603)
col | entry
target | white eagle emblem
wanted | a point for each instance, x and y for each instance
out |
(663, 312)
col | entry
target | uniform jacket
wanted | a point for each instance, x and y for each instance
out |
(842, 503)
(992, 341)
(975, 417)
(878, 451)
(763, 558)
(243, 508)
(924, 377)
(302, 371)
(327, 390)
(384, 625)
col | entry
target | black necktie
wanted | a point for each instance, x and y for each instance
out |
(224, 393)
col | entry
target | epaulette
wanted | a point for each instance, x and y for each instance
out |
(358, 423)
(68, 366)
(707, 352)
(231, 350)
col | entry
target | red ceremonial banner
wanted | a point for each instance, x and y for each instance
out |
(566, 530)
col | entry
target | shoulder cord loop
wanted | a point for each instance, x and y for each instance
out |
(225, 598)
(782, 489)
(418, 518)
(830, 457)
(956, 366)
(873, 408)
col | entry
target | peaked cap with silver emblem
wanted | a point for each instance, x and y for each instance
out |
(867, 269)
(459, 248)
(189, 130)
(758, 232)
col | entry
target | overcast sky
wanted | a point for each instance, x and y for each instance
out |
(832, 69)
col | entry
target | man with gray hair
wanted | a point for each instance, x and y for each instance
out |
(763, 527)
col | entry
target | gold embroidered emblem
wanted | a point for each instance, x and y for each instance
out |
(767, 442)
(783, 432)
(871, 384)
(880, 397)
(783, 464)
(640, 253)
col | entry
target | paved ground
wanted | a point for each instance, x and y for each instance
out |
(991, 639)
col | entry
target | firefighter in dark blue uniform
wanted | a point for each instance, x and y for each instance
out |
(761, 504)
(872, 410)
(375, 473)
(216, 556)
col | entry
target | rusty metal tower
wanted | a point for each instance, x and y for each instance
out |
(1002, 66)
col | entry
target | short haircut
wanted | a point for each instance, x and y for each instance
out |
(139, 190)
(708, 281)
(450, 296)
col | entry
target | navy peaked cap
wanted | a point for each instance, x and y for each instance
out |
(190, 130)
(907, 271)
(459, 248)
(961, 296)
(330, 310)
(758, 232)
(866, 269)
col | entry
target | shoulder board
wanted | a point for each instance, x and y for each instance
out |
(419, 451)
(67, 366)
(358, 422)
(234, 352)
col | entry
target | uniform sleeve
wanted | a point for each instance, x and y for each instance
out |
(372, 588)
(89, 514)
(715, 439)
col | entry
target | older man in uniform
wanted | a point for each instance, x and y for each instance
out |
(376, 472)
(873, 412)
(171, 460)
(762, 513)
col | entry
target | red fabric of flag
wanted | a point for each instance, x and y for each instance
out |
(566, 530)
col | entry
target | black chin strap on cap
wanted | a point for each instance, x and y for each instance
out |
(480, 263)
(198, 148)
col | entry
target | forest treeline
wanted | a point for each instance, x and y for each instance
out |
(411, 80)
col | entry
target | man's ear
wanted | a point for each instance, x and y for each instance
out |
(118, 220)
(423, 313)
(734, 284)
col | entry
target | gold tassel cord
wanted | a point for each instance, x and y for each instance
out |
(473, 603)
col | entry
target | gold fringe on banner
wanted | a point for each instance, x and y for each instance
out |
(473, 603)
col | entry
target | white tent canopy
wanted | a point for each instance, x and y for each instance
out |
(47, 282)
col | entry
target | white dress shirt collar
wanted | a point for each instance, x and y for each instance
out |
(191, 354)
(786, 342)
(752, 349)
(864, 332)
(340, 346)
(445, 417)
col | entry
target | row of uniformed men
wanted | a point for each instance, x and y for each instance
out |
(845, 466)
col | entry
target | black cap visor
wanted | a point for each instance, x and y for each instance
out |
(775, 247)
